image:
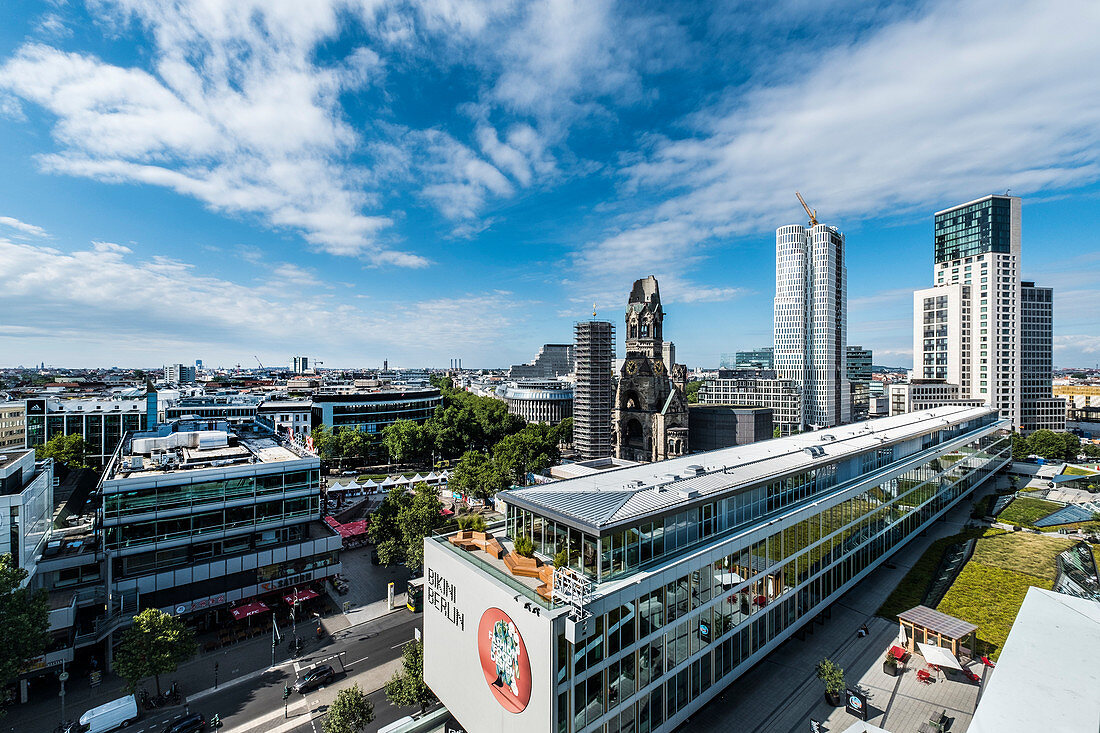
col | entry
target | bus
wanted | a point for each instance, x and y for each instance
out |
(414, 595)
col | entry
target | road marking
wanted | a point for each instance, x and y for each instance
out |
(357, 661)
(395, 646)
(255, 723)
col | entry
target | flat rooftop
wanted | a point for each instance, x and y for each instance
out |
(239, 445)
(1046, 677)
(620, 496)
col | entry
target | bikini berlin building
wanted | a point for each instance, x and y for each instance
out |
(681, 574)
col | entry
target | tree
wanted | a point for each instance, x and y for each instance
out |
(831, 675)
(776, 432)
(349, 712)
(406, 441)
(70, 450)
(1091, 450)
(407, 686)
(325, 444)
(477, 475)
(1051, 445)
(155, 644)
(564, 431)
(1020, 447)
(532, 449)
(401, 523)
(24, 617)
(443, 384)
(693, 391)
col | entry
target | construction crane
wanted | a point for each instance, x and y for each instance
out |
(809, 213)
(258, 361)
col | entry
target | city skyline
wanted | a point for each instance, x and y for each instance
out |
(417, 185)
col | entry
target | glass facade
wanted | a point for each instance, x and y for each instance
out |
(160, 514)
(101, 432)
(653, 654)
(974, 229)
(629, 549)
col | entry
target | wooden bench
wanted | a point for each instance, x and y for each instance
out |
(527, 567)
(546, 575)
(494, 548)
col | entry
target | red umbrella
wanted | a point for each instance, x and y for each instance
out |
(302, 595)
(241, 612)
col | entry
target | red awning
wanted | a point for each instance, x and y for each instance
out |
(331, 521)
(242, 612)
(302, 595)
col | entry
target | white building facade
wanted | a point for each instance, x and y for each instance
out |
(968, 329)
(811, 319)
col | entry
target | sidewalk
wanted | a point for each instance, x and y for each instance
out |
(245, 660)
(781, 693)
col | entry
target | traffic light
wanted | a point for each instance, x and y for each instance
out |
(286, 691)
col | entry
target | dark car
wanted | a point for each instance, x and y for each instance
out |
(320, 675)
(189, 724)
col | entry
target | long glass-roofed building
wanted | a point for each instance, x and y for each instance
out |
(682, 574)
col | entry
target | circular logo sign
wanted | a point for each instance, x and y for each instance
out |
(504, 660)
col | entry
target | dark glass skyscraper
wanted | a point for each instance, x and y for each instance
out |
(975, 228)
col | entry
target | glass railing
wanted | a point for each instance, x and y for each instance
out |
(497, 528)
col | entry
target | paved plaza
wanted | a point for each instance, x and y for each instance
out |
(782, 693)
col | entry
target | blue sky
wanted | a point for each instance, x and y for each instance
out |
(359, 180)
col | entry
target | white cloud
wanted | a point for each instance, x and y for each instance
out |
(90, 295)
(234, 112)
(22, 227)
(941, 108)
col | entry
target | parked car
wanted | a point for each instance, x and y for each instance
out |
(349, 473)
(190, 724)
(320, 675)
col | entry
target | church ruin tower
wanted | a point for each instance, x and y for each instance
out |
(651, 414)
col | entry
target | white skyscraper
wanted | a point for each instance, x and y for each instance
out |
(811, 319)
(979, 327)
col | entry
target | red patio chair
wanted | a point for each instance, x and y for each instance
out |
(923, 676)
(971, 676)
(987, 662)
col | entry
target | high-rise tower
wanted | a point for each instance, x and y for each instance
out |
(593, 395)
(811, 319)
(970, 329)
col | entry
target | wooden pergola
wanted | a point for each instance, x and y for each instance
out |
(928, 626)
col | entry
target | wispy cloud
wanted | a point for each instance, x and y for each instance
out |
(49, 293)
(22, 227)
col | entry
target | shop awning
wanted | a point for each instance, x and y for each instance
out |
(331, 521)
(243, 612)
(297, 597)
(938, 656)
(353, 529)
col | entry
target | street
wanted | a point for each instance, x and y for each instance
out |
(252, 702)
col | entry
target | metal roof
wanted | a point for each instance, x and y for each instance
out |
(941, 623)
(614, 497)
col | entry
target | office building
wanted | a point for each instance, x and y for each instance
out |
(287, 416)
(101, 422)
(552, 361)
(1039, 408)
(811, 319)
(371, 410)
(179, 374)
(301, 365)
(538, 400)
(681, 575)
(650, 417)
(763, 388)
(859, 380)
(236, 408)
(969, 328)
(13, 425)
(26, 507)
(724, 426)
(922, 394)
(594, 393)
(762, 358)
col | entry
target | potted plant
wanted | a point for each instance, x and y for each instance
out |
(890, 665)
(524, 546)
(832, 676)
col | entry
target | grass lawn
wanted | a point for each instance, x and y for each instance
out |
(910, 591)
(1021, 552)
(1024, 511)
(990, 598)
(1078, 471)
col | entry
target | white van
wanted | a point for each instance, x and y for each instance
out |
(109, 716)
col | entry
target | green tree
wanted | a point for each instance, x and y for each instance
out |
(406, 441)
(477, 475)
(24, 617)
(1049, 444)
(401, 523)
(407, 687)
(693, 391)
(776, 432)
(532, 449)
(564, 431)
(1090, 450)
(442, 383)
(831, 675)
(1020, 447)
(349, 712)
(155, 644)
(325, 444)
(70, 450)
